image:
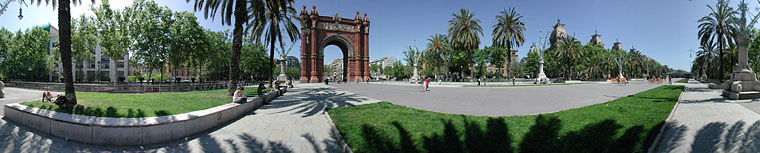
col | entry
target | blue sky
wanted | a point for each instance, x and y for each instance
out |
(662, 29)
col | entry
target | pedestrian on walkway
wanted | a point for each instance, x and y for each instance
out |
(478, 81)
(427, 83)
(670, 79)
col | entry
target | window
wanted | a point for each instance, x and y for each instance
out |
(120, 65)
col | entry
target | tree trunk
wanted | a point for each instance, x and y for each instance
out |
(271, 61)
(237, 44)
(508, 61)
(113, 67)
(64, 22)
(720, 58)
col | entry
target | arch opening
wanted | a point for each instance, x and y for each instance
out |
(335, 65)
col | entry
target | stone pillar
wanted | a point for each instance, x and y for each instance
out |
(305, 67)
(366, 52)
(315, 65)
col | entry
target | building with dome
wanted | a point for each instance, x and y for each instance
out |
(596, 39)
(559, 34)
(617, 46)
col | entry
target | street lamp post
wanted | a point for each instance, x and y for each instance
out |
(19, 14)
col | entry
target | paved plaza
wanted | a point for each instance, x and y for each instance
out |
(292, 123)
(704, 121)
(498, 101)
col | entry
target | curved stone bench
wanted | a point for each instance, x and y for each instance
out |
(131, 131)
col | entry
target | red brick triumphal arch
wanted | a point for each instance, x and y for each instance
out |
(350, 35)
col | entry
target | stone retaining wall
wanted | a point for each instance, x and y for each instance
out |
(130, 131)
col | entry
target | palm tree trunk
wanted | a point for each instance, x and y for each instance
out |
(508, 60)
(720, 58)
(271, 62)
(237, 44)
(64, 22)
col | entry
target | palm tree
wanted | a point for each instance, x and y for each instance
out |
(635, 61)
(463, 32)
(717, 25)
(704, 57)
(568, 53)
(508, 31)
(64, 23)
(227, 10)
(438, 45)
(267, 23)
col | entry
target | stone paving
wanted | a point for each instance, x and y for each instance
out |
(704, 121)
(498, 101)
(292, 123)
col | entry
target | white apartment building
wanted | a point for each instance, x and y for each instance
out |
(95, 70)
(384, 61)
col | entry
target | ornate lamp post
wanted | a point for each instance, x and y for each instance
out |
(743, 83)
(620, 59)
(541, 75)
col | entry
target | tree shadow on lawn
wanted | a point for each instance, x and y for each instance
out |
(99, 112)
(543, 136)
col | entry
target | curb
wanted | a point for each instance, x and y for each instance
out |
(657, 139)
(141, 131)
(336, 134)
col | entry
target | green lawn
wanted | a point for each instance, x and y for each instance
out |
(683, 81)
(524, 85)
(627, 124)
(143, 105)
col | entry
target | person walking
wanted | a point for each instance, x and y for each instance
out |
(478, 81)
(427, 83)
(670, 79)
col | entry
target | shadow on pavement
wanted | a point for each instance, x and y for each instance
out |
(314, 101)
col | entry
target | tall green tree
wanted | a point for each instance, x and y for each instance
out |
(114, 41)
(254, 60)
(151, 39)
(463, 32)
(568, 54)
(6, 42)
(508, 32)
(268, 22)
(64, 33)
(531, 65)
(228, 8)
(187, 38)
(83, 39)
(718, 25)
(437, 52)
(216, 67)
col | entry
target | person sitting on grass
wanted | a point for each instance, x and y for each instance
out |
(47, 96)
(238, 97)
